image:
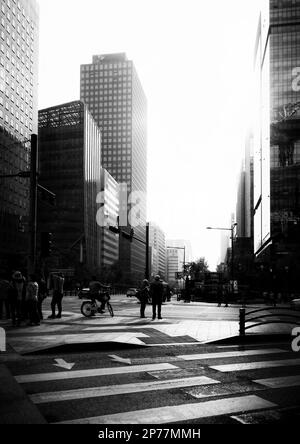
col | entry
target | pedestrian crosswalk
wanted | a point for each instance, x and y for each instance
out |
(186, 387)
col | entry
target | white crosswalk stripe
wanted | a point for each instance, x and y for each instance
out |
(232, 354)
(121, 389)
(285, 381)
(255, 365)
(163, 415)
(91, 372)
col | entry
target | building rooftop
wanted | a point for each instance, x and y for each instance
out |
(67, 114)
(118, 57)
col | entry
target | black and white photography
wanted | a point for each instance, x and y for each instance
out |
(149, 216)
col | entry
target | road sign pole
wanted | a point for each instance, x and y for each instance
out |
(33, 203)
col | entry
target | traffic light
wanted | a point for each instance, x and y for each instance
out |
(46, 244)
(128, 235)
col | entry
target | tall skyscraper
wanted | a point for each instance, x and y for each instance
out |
(19, 30)
(113, 92)
(70, 166)
(277, 137)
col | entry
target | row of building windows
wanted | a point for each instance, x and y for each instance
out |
(15, 125)
(12, 26)
(106, 74)
(16, 38)
(24, 83)
(111, 67)
(14, 63)
(107, 96)
(14, 9)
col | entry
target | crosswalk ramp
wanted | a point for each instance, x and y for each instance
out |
(184, 388)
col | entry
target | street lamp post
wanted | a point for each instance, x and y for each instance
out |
(231, 229)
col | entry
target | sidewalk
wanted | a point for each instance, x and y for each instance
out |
(15, 405)
(180, 325)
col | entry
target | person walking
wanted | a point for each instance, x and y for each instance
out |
(58, 293)
(4, 293)
(156, 291)
(32, 291)
(144, 296)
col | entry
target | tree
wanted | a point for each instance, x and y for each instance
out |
(197, 268)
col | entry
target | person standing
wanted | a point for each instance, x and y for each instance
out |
(32, 291)
(4, 293)
(58, 293)
(156, 291)
(144, 296)
(43, 293)
(225, 294)
(16, 298)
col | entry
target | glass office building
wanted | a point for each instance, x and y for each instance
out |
(114, 95)
(277, 137)
(108, 213)
(19, 30)
(70, 167)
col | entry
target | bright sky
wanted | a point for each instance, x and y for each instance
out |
(194, 59)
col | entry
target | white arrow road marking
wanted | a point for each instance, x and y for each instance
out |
(119, 359)
(62, 363)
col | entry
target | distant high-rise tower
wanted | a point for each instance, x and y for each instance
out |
(19, 29)
(112, 90)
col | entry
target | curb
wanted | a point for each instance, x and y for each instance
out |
(251, 338)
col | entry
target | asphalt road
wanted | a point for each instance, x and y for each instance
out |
(174, 384)
(170, 384)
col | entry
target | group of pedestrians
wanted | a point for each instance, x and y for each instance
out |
(153, 291)
(21, 300)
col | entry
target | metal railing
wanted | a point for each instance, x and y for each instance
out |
(278, 317)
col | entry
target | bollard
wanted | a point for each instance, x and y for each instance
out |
(242, 321)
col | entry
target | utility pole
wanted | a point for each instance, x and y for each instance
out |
(33, 203)
(147, 252)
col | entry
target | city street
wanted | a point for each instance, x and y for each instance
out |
(124, 369)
